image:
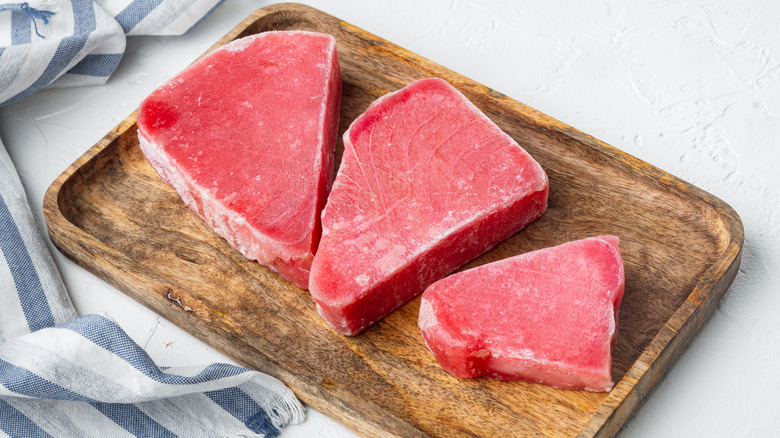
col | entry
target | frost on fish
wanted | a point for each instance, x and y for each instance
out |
(246, 136)
(547, 316)
(427, 182)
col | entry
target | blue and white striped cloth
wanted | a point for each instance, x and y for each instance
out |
(62, 43)
(67, 376)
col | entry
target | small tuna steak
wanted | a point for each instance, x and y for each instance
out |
(246, 136)
(427, 182)
(548, 316)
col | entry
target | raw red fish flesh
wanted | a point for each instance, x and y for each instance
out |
(246, 136)
(548, 316)
(427, 182)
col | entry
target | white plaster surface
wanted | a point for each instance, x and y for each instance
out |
(692, 87)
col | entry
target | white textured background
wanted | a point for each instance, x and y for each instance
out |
(692, 87)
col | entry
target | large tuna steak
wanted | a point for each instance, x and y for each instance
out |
(548, 316)
(246, 136)
(427, 183)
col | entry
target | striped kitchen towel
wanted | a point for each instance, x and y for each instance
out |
(67, 376)
(62, 43)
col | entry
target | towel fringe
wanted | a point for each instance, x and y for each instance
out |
(32, 13)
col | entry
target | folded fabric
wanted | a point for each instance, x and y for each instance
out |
(61, 375)
(61, 43)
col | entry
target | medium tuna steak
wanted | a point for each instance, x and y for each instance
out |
(548, 316)
(246, 136)
(427, 182)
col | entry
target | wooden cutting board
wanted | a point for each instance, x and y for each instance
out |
(112, 214)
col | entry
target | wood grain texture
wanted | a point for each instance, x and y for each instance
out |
(111, 213)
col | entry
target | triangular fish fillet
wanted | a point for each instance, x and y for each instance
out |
(246, 136)
(547, 316)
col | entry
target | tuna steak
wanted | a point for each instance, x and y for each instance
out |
(548, 316)
(427, 182)
(246, 136)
